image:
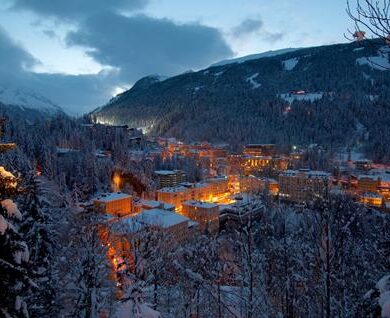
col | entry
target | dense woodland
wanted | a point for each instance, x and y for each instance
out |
(221, 103)
(318, 261)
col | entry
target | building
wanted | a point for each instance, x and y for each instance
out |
(212, 190)
(272, 186)
(363, 165)
(216, 188)
(143, 205)
(252, 163)
(240, 212)
(116, 203)
(172, 224)
(368, 183)
(169, 178)
(204, 213)
(259, 150)
(234, 164)
(280, 163)
(251, 184)
(174, 195)
(123, 235)
(372, 199)
(384, 188)
(303, 185)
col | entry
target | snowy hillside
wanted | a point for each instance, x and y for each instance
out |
(255, 56)
(28, 100)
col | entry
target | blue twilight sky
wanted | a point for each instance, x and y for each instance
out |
(81, 52)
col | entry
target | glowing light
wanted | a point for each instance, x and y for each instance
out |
(116, 182)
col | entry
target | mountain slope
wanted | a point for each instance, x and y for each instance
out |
(346, 104)
(254, 56)
(28, 102)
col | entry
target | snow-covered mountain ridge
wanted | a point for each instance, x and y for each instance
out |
(28, 100)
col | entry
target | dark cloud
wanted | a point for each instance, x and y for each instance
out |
(247, 26)
(75, 9)
(77, 94)
(256, 26)
(13, 58)
(273, 36)
(49, 33)
(140, 45)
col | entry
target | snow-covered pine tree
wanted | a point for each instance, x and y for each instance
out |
(86, 287)
(15, 281)
(37, 229)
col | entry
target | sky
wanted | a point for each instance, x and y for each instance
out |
(80, 53)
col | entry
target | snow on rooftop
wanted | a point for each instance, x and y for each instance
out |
(366, 176)
(200, 204)
(153, 217)
(173, 189)
(165, 172)
(308, 173)
(382, 174)
(106, 197)
(161, 217)
(373, 195)
(151, 203)
(168, 206)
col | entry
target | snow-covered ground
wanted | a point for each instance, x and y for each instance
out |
(254, 83)
(219, 73)
(255, 56)
(372, 97)
(197, 88)
(304, 97)
(290, 63)
(379, 62)
(355, 155)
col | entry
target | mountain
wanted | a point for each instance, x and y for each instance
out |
(335, 95)
(254, 56)
(27, 102)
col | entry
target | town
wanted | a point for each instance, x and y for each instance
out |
(152, 198)
(194, 159)
(228, 193)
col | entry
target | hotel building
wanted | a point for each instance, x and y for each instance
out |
(169, 178)
(303, 185)
(116, 204)
(206, 214)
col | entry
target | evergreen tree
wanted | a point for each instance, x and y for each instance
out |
(15, 281)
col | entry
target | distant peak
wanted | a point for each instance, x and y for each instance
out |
(26, 98)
